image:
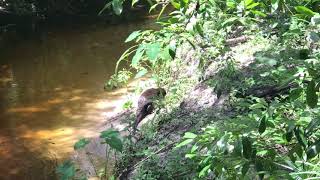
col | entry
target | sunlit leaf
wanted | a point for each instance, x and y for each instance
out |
(274, 5)
(81, 143)
(138, 56)
(175, 4)
(134, 2)
(204, 171)
(305, 11)
(189, 135)
(133, 36)
(248, 2)
(152, 51)
(259, 13)
(183, 143)
(172, 50)
(253, 5)
(117, 6)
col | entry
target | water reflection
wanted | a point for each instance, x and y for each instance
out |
(51, 94)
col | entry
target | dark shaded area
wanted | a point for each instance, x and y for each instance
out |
(34, 16)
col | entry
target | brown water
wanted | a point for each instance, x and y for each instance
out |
(51, 94)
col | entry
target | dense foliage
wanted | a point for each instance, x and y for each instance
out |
(273, 131)
(274, 134)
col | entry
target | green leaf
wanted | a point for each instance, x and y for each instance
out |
(111, 137)
(133, 36)
(183, 143)
(253, 5)
(109, 133)
(248, 2)
(259, 13)
(141, 73)
(300, 137)
(229, 21)
(152, 51)
(115, 143)
(312, 97)
(313, 150)
(313, 125)
(189, 135)
(305, 11)
(190, 156)
(175, 4)
(247, 147)
(134, 2)
(66, 170)
(117, 6)
(81, 143)
(138, 56)
(263, 124)
(295, 93)
(274, 5)
(231, 4)
(107, 5)
(199, 29)
(172, 50)
(204, 171)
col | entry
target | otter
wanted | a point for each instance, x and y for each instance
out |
(146, 105)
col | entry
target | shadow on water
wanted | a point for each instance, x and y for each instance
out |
(51, 94)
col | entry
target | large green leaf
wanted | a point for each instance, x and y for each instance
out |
(117, 6)
(312, 97)
(109, 133)
(138, 56)
(152, 51)
(305, 11)
(112, 138)
(115, 143)
(81, 143)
